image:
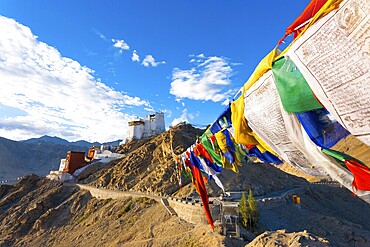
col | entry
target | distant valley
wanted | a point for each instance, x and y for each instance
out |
(37, 155)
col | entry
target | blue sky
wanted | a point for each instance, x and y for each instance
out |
(82, 69)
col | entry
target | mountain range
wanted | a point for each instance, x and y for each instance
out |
(37, 155)
(57, 140)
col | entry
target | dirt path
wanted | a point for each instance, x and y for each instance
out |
(114, 194)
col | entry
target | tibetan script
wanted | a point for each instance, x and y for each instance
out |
(334, 57)
(263, 113)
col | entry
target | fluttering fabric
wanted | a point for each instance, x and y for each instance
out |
(210, 164)
(264, 66)
(215, 127)
(339, 156)
(264, 157)
(360, 171)
(225, 118)
(212, 174)
(242, 132)
(294, 92)
(210, 147)
(361, 175)
(267, 121)
(321, 129)
(312, 8)
(289, 123)
(228, 156)
(200, 150)
(229, 141)
(328, 6)
(201, 188)
(223, 121)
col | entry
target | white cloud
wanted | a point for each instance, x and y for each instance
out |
(120, 44)
(168, 113)
(150, 61)
(57, 95)
(193, 116)
(150, 109)
(178, 100)
(209, 79)
(135, 57)
(226, 102)
(182, 118)
(102, 36)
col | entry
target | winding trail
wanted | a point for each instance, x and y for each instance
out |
(114, 194)
(102, 193)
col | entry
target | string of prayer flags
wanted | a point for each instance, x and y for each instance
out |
(298, 103)
(223, 121)
(333, 56)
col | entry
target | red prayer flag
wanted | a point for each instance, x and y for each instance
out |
(201, 189)
(361, 175)
(199, 150)
(312, 8)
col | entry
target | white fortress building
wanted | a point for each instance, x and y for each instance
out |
(151, 126)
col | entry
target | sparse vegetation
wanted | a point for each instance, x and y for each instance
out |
(253, 207)
(127, 207)
(82, 219)
(248, 211)
(143, 200)
(243, 210)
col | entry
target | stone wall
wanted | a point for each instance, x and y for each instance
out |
(189, 211)
(193, 212)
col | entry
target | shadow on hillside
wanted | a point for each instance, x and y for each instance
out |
(233, 242)
(262, 178)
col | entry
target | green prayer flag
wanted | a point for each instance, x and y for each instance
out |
(295, 94)
(208, 146)
(340, 156)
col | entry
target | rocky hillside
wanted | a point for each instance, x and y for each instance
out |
(40, 212)
(148, 164)
(148, 167)
(326, 210)
(283, 238)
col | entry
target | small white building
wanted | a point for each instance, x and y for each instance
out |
(94, 156)
(62, 165)
(151, 126)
